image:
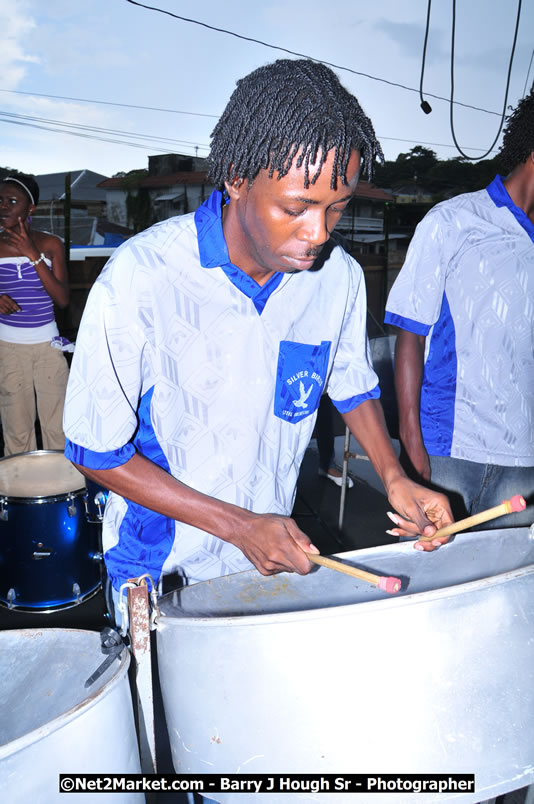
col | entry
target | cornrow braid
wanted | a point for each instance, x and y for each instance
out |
(287, 108)
(518, 137)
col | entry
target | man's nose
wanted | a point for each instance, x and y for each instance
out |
(314, 230)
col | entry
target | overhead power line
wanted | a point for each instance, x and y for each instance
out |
(503, 113)
(77, 129)
(109, 103)
(305, 56)
(99, 130)
(55, 130)
(528, 73)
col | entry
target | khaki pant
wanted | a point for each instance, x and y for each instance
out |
(33, 380)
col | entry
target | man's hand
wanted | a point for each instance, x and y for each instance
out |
(274, 543)
(420, 511)
(8, 305)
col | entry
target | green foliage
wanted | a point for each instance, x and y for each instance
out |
(442, 178)
(139, 209)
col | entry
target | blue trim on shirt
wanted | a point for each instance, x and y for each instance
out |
(353, 402)
(438, 391)
(501, 198)
(213, 253)
(406, 323)
(145, 537)
(98, 460)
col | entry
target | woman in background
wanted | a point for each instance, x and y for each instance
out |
(33, 277)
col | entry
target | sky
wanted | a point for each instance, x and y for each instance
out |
(114, 52)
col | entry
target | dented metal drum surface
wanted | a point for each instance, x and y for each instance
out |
(51, 724)
(327, 674)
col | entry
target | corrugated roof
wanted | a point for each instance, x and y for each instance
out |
(157, 182)
(364, 189)
(85, 186)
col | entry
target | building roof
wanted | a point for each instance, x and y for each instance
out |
(85, 186)
(157, 182)
(364, 189)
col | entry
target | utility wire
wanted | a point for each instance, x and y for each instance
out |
(305, 56)
(528, 73)
(98, 130)
(425, 106)
(113, 103)
(146, 147)
(12, 117)
(453, 133)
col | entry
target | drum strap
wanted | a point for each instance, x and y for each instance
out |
(112, 645)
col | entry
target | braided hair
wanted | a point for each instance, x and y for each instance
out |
(287, 108)
(518, 137)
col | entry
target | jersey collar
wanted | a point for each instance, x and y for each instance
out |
(501, 198)
(213, 252)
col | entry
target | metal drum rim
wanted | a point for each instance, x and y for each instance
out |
(70, 604)
(344, 609)
(42, 498)
(41, 732)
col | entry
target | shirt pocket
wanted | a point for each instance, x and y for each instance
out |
(300, 379)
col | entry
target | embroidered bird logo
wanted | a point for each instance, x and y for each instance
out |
(301, 401)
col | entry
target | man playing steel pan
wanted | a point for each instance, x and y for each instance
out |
(208, 339)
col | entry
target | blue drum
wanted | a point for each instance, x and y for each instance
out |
(50, 554)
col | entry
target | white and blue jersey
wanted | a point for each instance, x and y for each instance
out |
(468, 285)
(185, 359)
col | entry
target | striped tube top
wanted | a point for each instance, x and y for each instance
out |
(21, 281)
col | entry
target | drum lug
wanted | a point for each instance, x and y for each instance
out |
(71, 508)
(97, 556)
(76, 591)
(4, 514)
(100, 502)
(11, 595)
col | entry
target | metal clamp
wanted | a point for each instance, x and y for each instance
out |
(4, 515)
(123, 606)
(155, 612)
(71, 508)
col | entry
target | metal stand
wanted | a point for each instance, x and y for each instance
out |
(139, 624)
(347, 455)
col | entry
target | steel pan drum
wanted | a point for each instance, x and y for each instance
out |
(327, 674)
(49, 553)
(51, 724)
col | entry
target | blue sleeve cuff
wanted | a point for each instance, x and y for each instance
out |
(353, 402)
(406, 323)
(98, 460)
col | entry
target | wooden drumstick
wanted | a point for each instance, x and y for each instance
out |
(387, 584)
(516, 503)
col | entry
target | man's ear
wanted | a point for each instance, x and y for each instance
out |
(235, 189)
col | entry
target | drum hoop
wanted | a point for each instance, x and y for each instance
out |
(53, 498)
(43, 498)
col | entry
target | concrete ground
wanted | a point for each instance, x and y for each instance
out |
(316, 511)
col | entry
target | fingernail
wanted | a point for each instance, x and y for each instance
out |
(393, 517)
(392, 533)
(418, 546)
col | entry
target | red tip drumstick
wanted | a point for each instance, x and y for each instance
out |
(387, 584)
(516, 503)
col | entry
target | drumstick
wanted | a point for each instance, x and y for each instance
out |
(516, 503)
(387, 584)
